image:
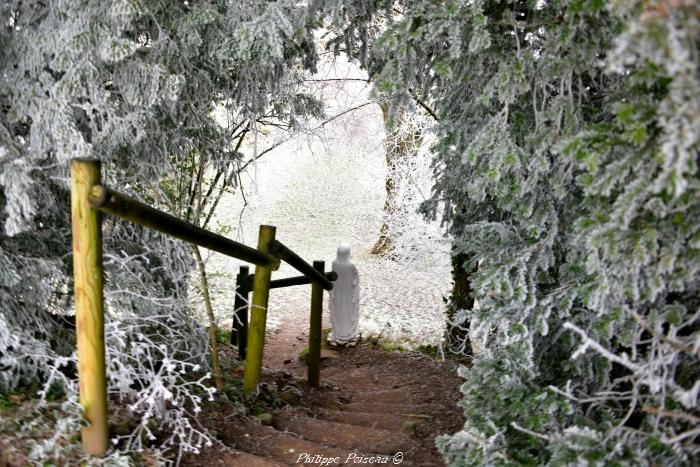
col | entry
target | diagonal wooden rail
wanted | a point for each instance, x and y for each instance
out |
(278, 249)
(115, 203)
(89, 198)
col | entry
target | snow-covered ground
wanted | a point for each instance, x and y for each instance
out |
(319, 192)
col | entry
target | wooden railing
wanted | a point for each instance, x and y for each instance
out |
(244, 285)
(89, 198)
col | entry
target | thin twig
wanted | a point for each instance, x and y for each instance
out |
(318, 127)
(333, 79)
(675, 344)
(671, 414)
(423, 104)
(530, 432)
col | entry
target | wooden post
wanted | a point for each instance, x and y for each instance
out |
(239, 331)
(89, 306)
(313, 361)
(258, 315)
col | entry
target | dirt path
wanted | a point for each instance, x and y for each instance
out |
(373, 408)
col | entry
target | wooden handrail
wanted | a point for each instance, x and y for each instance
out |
(120, 205)
(291, 281)
(87, 197)
(279, 250)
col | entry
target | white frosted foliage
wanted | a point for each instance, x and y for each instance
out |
(20, 208)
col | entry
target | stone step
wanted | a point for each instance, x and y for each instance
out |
(364, 377)
(367, 379)
(281, 447)
(423, 411)
(400, 395)
(368, 420)
(360, 439)
(245, 459)
(226, 457)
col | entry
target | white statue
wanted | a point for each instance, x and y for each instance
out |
(344, 300)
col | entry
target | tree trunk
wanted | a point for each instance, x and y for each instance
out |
(461, 299)
(213, 328)
(398, 146)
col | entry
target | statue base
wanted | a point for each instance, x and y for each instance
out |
(333, 342)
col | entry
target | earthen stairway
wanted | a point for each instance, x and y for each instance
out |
(373, 408)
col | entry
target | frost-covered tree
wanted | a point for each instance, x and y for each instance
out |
(134, 84)
(404, 139)
(566, 171)
(566, 151)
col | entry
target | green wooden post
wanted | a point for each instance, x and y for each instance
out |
(314, 358)
(89, 305)
(258, 315)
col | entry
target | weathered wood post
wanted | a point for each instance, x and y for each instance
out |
(239, 331)
(258, 314)
(313, 361)
(89, 305)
